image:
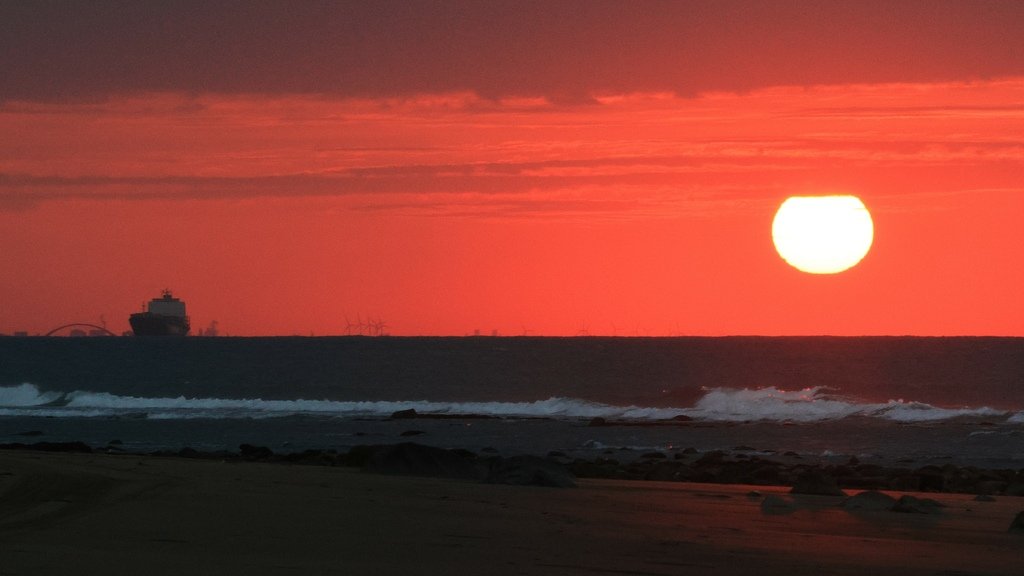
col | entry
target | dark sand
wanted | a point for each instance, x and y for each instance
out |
(93, 513)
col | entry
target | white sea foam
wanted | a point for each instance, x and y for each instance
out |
(920, 412)
(25, 395)
(814, 405)
(770, 403)
(718, 404)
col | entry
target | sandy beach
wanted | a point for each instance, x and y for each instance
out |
(122, 514)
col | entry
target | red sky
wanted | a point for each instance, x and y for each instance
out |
(541, 168)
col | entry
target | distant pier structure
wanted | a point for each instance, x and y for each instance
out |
(80, 329)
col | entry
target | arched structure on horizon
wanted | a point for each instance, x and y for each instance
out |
(73, 324)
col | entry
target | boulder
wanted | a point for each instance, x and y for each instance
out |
(410, 459)
(873, 470)
(712, 457)
(930, 479)
(1014, 489)
(357, 456)
(773, 504)
(816, 482)
(529, 470)
(764, 473)
(990, 487)
(913, 505)
(250, 452)
(315, 457)
(80, 447)
(664, 472)
(404, 414)
(906, 482)
(869, 500)
(864, 482)
(50, 447)
(1017, 526)
(600, 468)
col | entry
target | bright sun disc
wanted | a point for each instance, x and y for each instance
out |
(822, 234)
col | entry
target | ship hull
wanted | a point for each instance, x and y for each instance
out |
(149, 324)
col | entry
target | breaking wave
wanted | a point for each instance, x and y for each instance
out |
(815, 404)
(25, 395)
(717, 404)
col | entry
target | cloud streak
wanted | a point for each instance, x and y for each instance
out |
(566, 51)
(643, 155)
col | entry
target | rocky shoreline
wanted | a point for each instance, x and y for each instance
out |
(73, 508)
(558, 469)
(720, 467)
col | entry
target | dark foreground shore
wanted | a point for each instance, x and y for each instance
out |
(741, 465)
(64, 512)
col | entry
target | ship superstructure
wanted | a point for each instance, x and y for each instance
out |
(164, 316)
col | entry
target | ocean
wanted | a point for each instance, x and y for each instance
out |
(889, 399)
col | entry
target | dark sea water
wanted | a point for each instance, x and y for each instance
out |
(921, 399)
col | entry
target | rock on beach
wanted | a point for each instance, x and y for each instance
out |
(869, 500)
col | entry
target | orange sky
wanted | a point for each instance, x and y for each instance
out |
(556, 208)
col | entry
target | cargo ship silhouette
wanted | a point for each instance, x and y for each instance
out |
(164, 316)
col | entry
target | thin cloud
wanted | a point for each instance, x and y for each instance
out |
(641, 154)
(564, 52)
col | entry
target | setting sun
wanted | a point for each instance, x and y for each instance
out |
(822, 234)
